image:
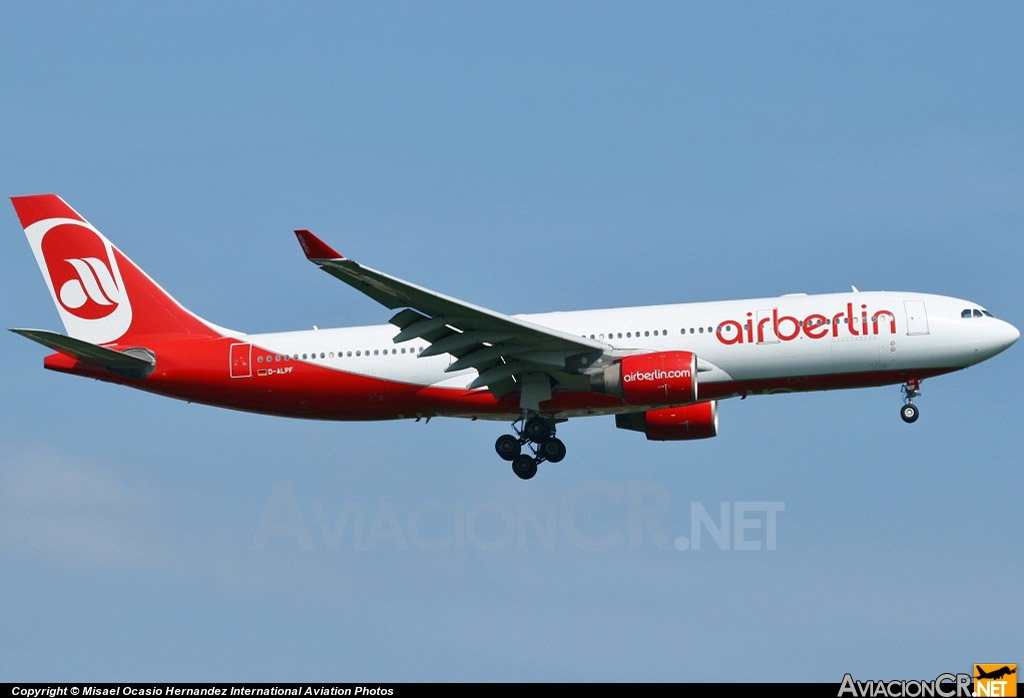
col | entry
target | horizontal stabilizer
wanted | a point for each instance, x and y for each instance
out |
(117, 362)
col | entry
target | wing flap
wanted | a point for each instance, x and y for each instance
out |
(480, 357)
(496, 374)
(460, 343)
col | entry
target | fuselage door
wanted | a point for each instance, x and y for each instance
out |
(241, 361)
(917, 317)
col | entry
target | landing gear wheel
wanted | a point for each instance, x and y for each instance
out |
(532, 442)
(508, 447)
(537, 429)
(909, 413)
(553, 450)
(524, 466)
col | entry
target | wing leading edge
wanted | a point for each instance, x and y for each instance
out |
(507, 352)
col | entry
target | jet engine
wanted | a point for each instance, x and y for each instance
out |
(663, 378)
(699, 421)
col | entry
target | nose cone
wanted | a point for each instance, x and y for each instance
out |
(998, 337)
(989, 337)
(1008, 334)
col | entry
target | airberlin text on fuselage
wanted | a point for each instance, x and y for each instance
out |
(786, 328)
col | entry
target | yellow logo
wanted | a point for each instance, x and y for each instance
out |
(995, 680)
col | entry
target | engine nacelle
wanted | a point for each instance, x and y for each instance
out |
(699, 421)
(667, 377)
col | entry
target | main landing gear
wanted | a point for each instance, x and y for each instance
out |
(538, 435)
(910, 390)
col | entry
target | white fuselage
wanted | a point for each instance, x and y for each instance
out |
(742, 340)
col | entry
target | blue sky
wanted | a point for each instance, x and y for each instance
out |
(525, 157)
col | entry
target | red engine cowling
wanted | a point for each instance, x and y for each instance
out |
(684, 423)
(664, 378)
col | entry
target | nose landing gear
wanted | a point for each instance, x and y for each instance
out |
(538, 435)
(911, 389)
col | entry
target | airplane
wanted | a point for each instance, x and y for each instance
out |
(995, 674)
(660, 370)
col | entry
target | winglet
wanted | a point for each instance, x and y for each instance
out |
(314, 247)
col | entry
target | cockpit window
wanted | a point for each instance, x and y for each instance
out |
(977, 313)
(987, 314)
(966, 313)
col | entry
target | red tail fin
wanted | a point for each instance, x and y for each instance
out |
(101, 295)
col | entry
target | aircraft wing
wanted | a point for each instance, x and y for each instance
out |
(507, 352)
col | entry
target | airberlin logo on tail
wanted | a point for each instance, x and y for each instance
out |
(772, 327)
(84, 278)
(94, 287)
(82, 270)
